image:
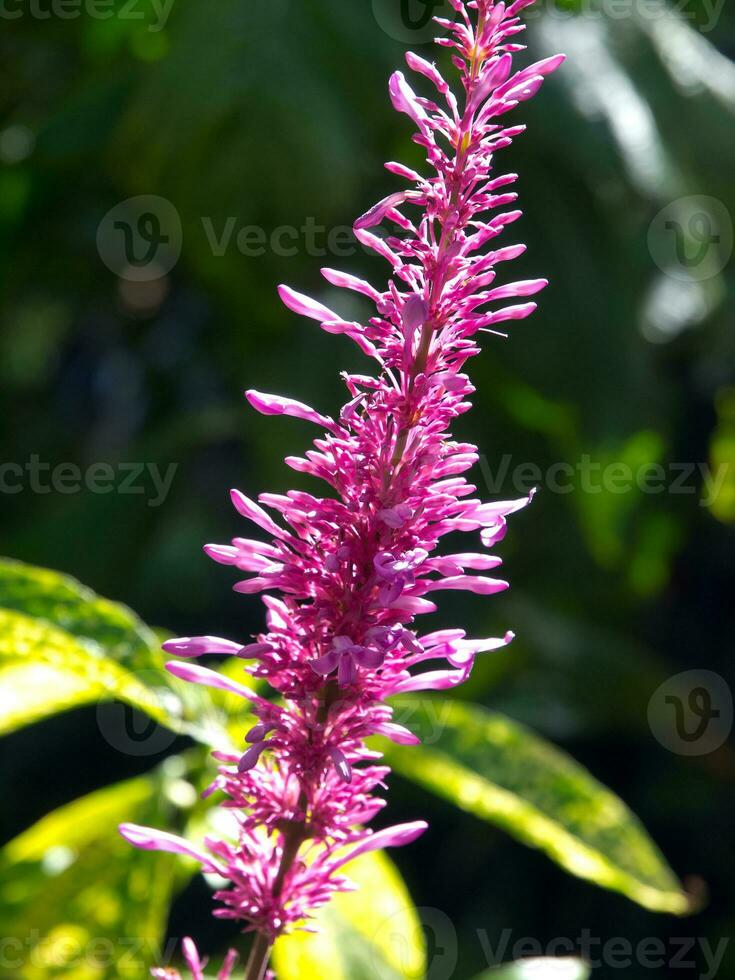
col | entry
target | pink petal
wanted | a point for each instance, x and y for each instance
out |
(480, 562)
(415, 313)
(197, 646)
(489, 513)
(149, 839)
(404, 100)
(208, 678)
(469, 583)
(369, 657)
(250, 586)
(326, 664)
(377, 212)
(249, 509)
(250, 758)
(544, 67)
(397, 734)
(225, 554)
(345, 281)
(432, 680)
(397, 836)
(304, 305)
(277, 405)
(344, 770)
(228, 966)
(191, 955)
(428, 70)
(526, 287)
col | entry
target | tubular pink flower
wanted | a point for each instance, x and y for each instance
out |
(345, 575)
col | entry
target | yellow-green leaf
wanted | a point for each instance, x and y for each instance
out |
(44, 669)
(64, 602)
(77, 901)
(502, 772)
(371, 934)
(540, 968)
(38, 685)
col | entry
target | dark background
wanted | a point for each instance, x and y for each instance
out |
(276, 113)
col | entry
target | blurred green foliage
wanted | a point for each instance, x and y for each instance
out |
(274, 112)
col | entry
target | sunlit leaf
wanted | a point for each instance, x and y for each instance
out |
(65, 646)
(500, 771)
(371, 934)
(44, 670)
(541, 968)
(76, 900)
(61, 600)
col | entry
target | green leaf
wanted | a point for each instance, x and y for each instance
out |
(371, 934)
(76, 900)
(44, 669)
(64, 646)
(61, 600)
(503, 773)
(541, 968)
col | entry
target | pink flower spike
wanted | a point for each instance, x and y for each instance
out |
(344, 572)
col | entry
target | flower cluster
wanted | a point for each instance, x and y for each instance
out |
(346, 574)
